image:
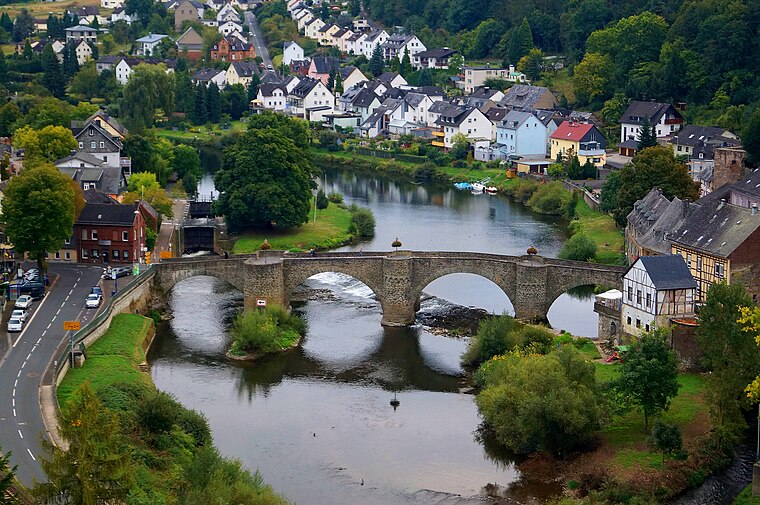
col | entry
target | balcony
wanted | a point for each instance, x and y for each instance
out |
(591, 153)
(438, 143)
(674, 121)
(438, 134)
(125, 163)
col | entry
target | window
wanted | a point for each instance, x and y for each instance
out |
(92, 132)
(647, 327)
(638, 323)
(638, 297)
(67, 241)
(84, 254)
(688, 260)
(81, 145)
(92, 145)
(94, 234)
(67, 255)
(95, 254)
(125, 236)
(629, 320)
(84, 234)
(102, 144)
(630, 294)
(115, 254)
(699, 264)
(719, 270)
(649, 300)
(126, 255)
(57, 255)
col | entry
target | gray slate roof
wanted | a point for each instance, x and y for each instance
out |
(324, 64)
(524, 96)
(104, 213)
(749, 184)
(637, 111)
(718, 228)
(655, 219)
(668, 272)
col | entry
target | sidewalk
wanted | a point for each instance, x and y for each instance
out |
(164, 242)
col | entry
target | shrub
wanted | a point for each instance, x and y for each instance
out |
(362, 222)
(523, 190)
(536, 339)
(579, 248)
(335, 197)
(158, 412)
(551, 198)
(195, 424)
(265, 331)
(495, 336)
(322, 201)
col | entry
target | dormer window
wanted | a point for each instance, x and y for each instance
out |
(92, 132)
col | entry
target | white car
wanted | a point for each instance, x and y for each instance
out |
(14, 324)
(24, 302)
(19, 314)
(93, 301)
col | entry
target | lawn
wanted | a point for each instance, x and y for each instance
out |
(113, 358)
(330, 230)
(746, 498)
(601, 228)
(199, 132)
(41, 9)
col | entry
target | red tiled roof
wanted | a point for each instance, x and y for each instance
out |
(569, 130)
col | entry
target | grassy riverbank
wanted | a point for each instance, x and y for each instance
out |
(330, 230)
(171, 455)
(746, 498)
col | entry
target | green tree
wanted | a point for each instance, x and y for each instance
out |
(5, 22)
(186, 161)
(520, 42)
(96, 468)
(425, 77)
(751, 137)
(3, 67)
(322, 201)
(588, 170)
(70, 61)
(540, 403)
(612, 184)
(24, 25)
(28, 54)
(139, 148)
(213, 103)
(48, 144)
(85, 83)
(155, 196)
(362, 222)
(574, 170)
(39, 211)
(579, 247)
(376, 63)
(7, 475)
(199, 114)
(235, 102)
(52, 77)
(460, 146)
(456, 62)
(591, 77)
(486, 38)
(10, 114)
(531, 64)
(649, 374)
(331, 80)
(253, 87)
(655, 167)
(266, 175)
(647, 135)
(148, 92)
(666, 438)
(729, 353)
(406, 64)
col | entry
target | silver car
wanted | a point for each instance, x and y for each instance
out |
(19, 314)
(15, 325)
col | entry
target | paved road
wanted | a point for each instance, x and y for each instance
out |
(164, 240)
(21, 369)
(257, 38)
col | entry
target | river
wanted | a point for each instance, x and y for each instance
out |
(317, 421)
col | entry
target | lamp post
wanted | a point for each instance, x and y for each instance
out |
(315, 192)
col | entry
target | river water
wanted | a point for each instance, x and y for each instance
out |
(317, 421)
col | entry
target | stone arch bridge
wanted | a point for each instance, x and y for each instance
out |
(397, 278)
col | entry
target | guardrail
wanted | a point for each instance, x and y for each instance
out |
(60, 360)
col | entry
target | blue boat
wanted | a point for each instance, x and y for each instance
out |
(463, 185)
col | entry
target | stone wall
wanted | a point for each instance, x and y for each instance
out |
(728, 165)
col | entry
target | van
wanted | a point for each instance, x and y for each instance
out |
(35, 289)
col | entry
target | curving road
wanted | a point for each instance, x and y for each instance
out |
(22, 367)
(257, 38)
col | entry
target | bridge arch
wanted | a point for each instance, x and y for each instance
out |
(295, 276)
(573, 311)
(171, 273)
(470, 290)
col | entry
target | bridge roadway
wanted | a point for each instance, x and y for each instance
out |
(532, 283)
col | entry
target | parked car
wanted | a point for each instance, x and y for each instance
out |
(24, 302)
(15, 325)
(95, 290)
(120, 272)
(93, 301)
(19, 314)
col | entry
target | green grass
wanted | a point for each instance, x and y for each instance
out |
(112, 359)
(330, 230)
(601, 228)
(199, 132)
(589, 349)
(746, 498)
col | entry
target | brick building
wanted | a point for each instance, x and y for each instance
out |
(110, 233)
(231, 48)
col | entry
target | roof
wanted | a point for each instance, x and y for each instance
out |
(96, 196)
(190, 37)
(325, 64)
(572, 131)
(304, 87)
(691, 135)
(151, 38)
(387, 77)
(364, 98)
(80, 156)
(81, 28)
(348, 70)
(104, 213)
(653, 111)
(437, 53)
(454, 116)
(91, 175)
(515, 118)
(749, 184)
(269, 89)
(414, 99)
(397, 41)
(668, 272)
(438, 107)
(291, 43)
(245, 68)
(270, 77)
(108, 60)
(235, 44)
(524, 96)
(206, 74)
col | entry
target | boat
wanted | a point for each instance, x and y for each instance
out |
(491, 190)
(478, 187)
(463, 185)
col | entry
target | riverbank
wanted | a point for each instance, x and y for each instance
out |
(168, 443)
(330, 230)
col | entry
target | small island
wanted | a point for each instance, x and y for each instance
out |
(262, 331)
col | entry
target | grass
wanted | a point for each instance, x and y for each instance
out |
(602, 229)
(199, 132)
(41, 9)
(330, 230)
(746, 498)
(113, 358)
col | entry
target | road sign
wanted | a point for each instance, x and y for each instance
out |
(71, 325)
(261, 302)
(165, 254)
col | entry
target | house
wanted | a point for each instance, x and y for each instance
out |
(468, 121)
(190, 44)
(241, 72)
(206, 76)
(392, 79)
(321, 67)
(120, 14)
(354, 42)
(88, 14)
(81, 32)
(40, 25)
(433, 58)
(313, 28)
(364, 103)
(663, 116)
(230, 27)
(108, 233)
(351, 76)
(398, 45)
(326, 34)
(231, 48)
(272, 97)
(104, 120)
(698, 143)
(83, 52)
(477, 76)
(187, 10)
(123, 69)
(227, 13)
(373, 38)
(582, 140)
(746, 192)
(291, 51)
(526, 97)
(106, 63)
(290, 82)
(309, 94)
(652, 224)
(111, 4)
(376, 123)
(109, 180)
(148, 45)
(521, 134)
(341, 39)
(96, 140)
(300, 67)
(655, 290)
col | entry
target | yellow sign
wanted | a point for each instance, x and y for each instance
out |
(166, 254)
(71, 325)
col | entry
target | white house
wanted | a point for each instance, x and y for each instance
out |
(663, 116)
(397, 45)
(230, 27)
(656, 289)
(374, 38)
(146, 46)
(433, 58)
(309, 94)
(291, 51)
(84, 52)
(365, 102)
(475, 77)
(312, 28)
(206, 76)
(81, 32)
(468, 121)
(272, 97)
(123, 68)
(227, 13)
(392, 79)
(326, 34)
(111, 4)
(351, 76)
(120, 14)
(521, 134)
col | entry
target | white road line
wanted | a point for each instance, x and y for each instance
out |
(49, 324)
(14, 412)
(18, 374)
(30, 454)
(14, 400)
(58, 312)
(23, 364)
(28, 355)
(39, 339)
(72, 290)
(15, 383)
(19, 434)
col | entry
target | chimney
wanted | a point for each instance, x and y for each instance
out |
(722, 204)
(754, 209)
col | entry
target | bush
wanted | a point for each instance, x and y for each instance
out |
(335, 197)
(265, 331)
(322, 201)
(195, 424)
(362, 222)
(523, 190)
(551, 198)
(495, 336)
(579, 248)
(158, 412)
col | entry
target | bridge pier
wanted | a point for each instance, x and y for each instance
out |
(398, 299)
(530, 290)
(265, 279)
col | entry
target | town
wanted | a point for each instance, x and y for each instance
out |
(229, 181)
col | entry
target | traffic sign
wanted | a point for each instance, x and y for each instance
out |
(165, 254)
(261, 302)
(71, 325)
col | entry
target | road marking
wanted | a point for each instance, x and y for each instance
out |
(40, 339)
(15, 383)
(14, 399)
(30, 454)
(19, 374)
(43, 334)
(49, 325)
(19, 434)
(23, 364)
(72, 290)
(58, 311)
(28, 355)
(14, 412)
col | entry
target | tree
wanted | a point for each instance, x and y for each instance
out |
(70, 61)
(610, 188)
(53, 78)
(655, 167)
(751, 137)
(588, 170)
(253, 87)
(456, 62)
(362, 222)
(574, 170)
(234, 101)
(3, 67)
(266, 175)
(591, 77)
(520, 42)
(39, 211)
(7, 475)
(377, 63)
(186, 161)
(666, 438)
(322, 201)
(10, 114)
(213, 103)
(338, 83)
(732, 358)
(531, 64)
(647, 135)
(49, 144)
(96, 468)
(460, 146)
(579, 247)
(24, 25)
(6, 23)
(85, 83)
(331, 80)
(149, 90)
(649, 374)
(540, 403)
(406, 64)
(425, 77)
(199, 113)
(28, 54)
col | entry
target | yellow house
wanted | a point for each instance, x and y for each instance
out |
(581, 139)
